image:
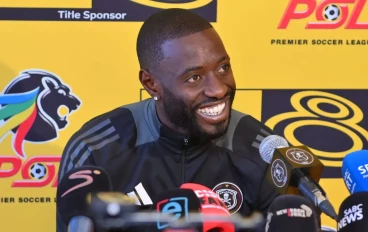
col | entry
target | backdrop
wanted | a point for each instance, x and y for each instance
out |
(299, 66)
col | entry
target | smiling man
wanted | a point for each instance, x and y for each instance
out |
(187, 132)
(192, 76)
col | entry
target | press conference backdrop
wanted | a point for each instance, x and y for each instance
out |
(300, 68)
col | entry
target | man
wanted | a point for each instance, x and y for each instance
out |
(188, 131)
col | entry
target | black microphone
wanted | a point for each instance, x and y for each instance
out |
(112, 211)
(72, 191)
(295, 170)
(291, 213)
(116, 212)
(351, 213)
(178, 204)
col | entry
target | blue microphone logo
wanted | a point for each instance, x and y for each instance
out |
(355, 171)
(350, 184)
(363, 170)
(174, 208)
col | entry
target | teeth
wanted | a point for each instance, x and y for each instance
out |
(215, 110)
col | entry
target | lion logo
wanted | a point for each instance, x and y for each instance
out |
(29, 108)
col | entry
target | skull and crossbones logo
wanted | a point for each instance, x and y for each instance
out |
(230, 194)
(226, 199)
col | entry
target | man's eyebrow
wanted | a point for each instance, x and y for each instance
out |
(188, 70)
(223, 58)
(194, 68)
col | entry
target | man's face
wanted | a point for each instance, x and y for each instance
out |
(198, 84)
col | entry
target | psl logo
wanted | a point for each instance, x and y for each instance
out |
(330, 14)
(29, 110)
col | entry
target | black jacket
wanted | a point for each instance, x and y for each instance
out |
(144, 158)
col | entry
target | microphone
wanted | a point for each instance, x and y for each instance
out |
(291, 213)
(81, 223)
(177, 204)
(355, 171)
(112, 211)
(72, 191)
(351, 213)
(295, 170)
(211, 205)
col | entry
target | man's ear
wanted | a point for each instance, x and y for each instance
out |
(150, 83)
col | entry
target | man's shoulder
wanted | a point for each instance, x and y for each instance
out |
(243, 131)
(243, 137)
(103, 137)
(118, 117)
(129, 124)
(115, 116)
(247, 123)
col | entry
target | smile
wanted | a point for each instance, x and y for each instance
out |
(213, 110)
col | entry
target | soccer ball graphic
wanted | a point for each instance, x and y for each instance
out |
(38, 171)
(332, 12)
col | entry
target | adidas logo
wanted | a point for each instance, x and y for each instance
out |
(141, 196)
(261, 135)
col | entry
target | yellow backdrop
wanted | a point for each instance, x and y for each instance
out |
(302, 76)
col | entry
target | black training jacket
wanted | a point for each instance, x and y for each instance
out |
(144, 157)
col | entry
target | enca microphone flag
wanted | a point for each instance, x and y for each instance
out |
(211, 205)
(177, 204)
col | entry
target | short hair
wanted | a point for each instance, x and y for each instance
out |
(163, 26)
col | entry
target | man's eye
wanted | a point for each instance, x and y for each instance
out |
(194, 79)
(224, 68)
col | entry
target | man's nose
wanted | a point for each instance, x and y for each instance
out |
(215, 88)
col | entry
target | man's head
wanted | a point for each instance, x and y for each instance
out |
(185, 65)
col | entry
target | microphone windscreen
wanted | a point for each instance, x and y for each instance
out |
(176, 203)
(268, 146)
(74, 187)
(355, 171)
(211, 205)
(351, 213)
(291, 213)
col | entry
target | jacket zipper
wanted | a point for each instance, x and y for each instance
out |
(183, 161)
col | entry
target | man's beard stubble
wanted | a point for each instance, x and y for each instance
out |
(178, 114)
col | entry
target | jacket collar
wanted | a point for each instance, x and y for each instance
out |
(167, 135)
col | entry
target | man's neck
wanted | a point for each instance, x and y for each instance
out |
(162, 117)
